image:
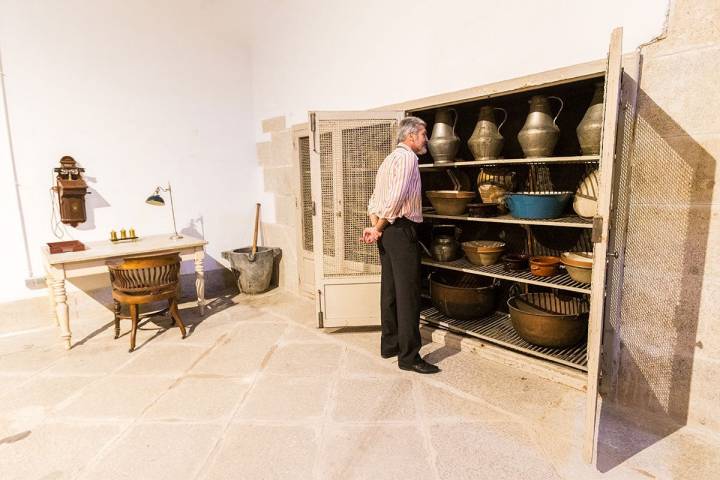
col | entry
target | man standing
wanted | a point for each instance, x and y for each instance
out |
(395, 209)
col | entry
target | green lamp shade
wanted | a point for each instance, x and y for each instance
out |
(155, 200)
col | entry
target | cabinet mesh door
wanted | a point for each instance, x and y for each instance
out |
(306, 193)
(351, 152)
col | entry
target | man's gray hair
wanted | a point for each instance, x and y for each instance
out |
(409, 125)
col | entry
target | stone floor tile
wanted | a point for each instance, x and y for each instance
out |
(116, 397)
(157, 451)
(488, 450)
(241, 354)
(167, 360)
(54, 450)
(40, 395)
(373, 400)
(257, 452)
(199, 399)
(284, 399)
(27, 359)
(302, 360)
(364, 364)
(92, 359)
(441, 402)
(296, 333)
(375, 452)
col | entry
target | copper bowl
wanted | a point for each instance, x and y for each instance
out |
(549, 320)
(483, 210)
(515, 262)
(450, 202)
(544, 266)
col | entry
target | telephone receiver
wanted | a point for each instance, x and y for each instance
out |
(71, 189)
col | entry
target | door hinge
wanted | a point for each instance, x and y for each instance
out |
(312, 129)
(320, 313)
(313, 209)
(597, 227)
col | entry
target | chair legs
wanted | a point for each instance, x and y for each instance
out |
(117, 318)
(176, 315)
(134, 317)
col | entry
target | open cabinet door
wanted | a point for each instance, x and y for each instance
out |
(601, 225)
(346, 150)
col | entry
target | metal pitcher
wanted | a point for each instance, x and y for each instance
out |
(540, 132)
(590, 128)
(486, 141)
(445, 247)
(443, 143)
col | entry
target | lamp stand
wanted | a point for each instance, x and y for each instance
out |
(175, 236)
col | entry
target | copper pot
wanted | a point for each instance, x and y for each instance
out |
(544, 266)
(450, 202)
(549, 320)
(462, 295)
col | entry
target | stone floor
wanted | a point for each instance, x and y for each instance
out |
(255, 391)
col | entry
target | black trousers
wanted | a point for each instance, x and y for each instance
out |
(400, 291)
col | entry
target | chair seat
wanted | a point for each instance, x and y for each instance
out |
(138, 299)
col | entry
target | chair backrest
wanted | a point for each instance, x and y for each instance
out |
(145, 274)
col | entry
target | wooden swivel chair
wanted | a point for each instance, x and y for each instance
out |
(136, 281)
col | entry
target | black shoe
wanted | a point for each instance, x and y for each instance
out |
(389, 354)
(421, 366)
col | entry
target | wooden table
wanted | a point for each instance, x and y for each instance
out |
(60, 266)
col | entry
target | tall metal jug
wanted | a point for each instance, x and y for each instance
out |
(443, 143)
(540, 133)
(486, 141)
(589, 129)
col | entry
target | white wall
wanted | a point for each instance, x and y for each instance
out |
(330, 55)
(139, 93)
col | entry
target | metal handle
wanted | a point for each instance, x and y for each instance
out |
(561, 107)
(425, 248)
(456, 119)
(504, 119)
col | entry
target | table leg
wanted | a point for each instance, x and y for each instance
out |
(51, 298)
(200, 279)
(62, 311)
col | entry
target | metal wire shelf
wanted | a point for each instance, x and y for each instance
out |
(515, 161)
(561, 281)
(566, 221)
(497, 328)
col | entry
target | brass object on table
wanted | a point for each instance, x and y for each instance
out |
(113, 235)
(123, 234)
(131, 233)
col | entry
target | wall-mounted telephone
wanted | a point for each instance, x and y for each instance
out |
(71, 190)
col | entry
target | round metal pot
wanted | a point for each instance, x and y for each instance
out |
(450, 202)
(483, 210)
(461, 295)
(515, 262)
(544, 266)
(547, 320)
(531, 205)
(483, 252)
(578, 265)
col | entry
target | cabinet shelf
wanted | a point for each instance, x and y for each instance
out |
(497, 328)
(561, 281)
(566, 221)
(514, 161)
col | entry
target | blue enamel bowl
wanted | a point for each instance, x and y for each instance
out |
(537, 206)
